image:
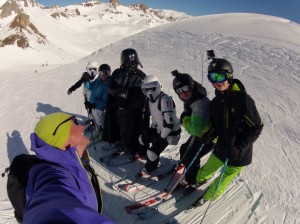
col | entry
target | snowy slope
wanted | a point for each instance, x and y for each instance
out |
(266, 61)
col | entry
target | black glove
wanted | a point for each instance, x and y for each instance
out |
(69, 91)
(184, 114)
(119, 92)
(208, 136)
(89, 105)
(158, 140)
(234, 154)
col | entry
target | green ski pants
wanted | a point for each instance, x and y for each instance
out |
(209, 168)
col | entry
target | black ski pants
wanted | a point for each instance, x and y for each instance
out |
(190, 176)
(129, 124)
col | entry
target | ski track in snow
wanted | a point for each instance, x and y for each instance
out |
(270, 75)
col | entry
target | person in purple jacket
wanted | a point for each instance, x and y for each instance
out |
(60, 191)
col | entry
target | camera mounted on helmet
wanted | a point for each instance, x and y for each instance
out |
(211, 54)
(175, 73)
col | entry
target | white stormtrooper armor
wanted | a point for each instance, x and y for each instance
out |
(162, 109)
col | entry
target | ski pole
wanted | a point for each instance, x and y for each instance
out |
(93, 118)
(202, 72)
(217, 187)
(91, 123)
(180, 162)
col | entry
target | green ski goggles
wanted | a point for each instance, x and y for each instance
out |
(217, 77)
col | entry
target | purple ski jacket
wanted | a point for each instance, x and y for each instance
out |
(62, 193)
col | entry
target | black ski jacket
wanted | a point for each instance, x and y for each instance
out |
(125, 93)
(84, 78)
(125, 90)
(237, 123)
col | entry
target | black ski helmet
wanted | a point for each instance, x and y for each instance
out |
(221, 65)
(104, 67)
(182, 79)
(129, 58)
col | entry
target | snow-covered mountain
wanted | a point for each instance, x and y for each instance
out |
(265, 54)
(65, 34)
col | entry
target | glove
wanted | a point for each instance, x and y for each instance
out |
(69, 91)
(157, 140)
(208, 136)
(89, 105)
(119, 92)
(122, 93)
(184, 114)
(234, 154)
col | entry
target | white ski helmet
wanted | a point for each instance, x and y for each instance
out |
(92, 69)
(151, 87)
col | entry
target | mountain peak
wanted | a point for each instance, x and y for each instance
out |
(15, 7)
(20, 24)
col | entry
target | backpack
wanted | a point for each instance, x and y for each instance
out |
(17, 181)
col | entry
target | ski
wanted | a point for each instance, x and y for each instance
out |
(106, 158)
(147, 202)
(139, 183)
(116, 159)
(153, 202)
(171, 202)
(167, 202)
(178, 176)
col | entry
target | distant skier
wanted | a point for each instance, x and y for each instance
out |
(165, 127)
(195, 120)
(237, 124)
(125, 103)
(99, 94)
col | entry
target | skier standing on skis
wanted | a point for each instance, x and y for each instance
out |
(125, 104)
(88, 76)
(165, 128)
(237, 124)
(195, 120)
(99, 93)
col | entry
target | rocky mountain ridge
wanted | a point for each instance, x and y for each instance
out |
(18, 29)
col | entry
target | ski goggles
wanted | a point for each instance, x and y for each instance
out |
(185, 88)
(72, 118)
(147, 89)
(93, 69)
(104, 72)
(217, 77)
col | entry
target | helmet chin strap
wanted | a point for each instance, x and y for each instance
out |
(152, 100)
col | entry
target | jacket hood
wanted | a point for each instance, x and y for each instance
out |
(49, 153)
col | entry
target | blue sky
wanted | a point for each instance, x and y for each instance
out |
(288, 9)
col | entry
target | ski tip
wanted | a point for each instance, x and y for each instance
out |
(128, 210)
(126, 188)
